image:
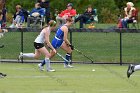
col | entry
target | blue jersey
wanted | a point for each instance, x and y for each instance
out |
(59, 34)
(58, 39)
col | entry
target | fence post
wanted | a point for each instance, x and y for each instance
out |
(120, 47)
(21, 44)
(71, 43)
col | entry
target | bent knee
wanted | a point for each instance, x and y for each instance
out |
(48, 55)
(36, 57)
(69, 51)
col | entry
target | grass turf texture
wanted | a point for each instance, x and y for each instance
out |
(26, 78)
(101, 47)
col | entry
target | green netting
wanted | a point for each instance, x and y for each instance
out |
(99, 46)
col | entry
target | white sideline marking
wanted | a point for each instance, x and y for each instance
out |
(60, 76)
(57, 92)
(24, 69)
(107, 90)
(28, 76)
(60, 69)
(136, 75)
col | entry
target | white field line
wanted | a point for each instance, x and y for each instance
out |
(102, 91)
(27, 76)
(57, 91)
(109, 90)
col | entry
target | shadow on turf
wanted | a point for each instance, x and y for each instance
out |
(58, 80)
(131, 82)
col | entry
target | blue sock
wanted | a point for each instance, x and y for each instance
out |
(68, 56)
(43, 63)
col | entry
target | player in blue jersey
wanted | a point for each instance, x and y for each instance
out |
(61, 40)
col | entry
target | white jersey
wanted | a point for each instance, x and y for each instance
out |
(130, 13)
(41, 37)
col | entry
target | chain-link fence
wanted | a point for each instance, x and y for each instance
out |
(108, 45)
(11, 42)
(131, 47)
(21, 40)
(100, 46)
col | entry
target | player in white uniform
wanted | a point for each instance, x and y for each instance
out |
(42, 38)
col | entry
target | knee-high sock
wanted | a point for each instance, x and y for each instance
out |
(47, 61)
(137, 67)
(68, 56)
(28, 55)
(43, 63)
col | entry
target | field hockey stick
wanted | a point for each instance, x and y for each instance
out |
(62, 57)
(83, 55)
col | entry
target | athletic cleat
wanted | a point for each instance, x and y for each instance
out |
(2, 75)
(68, 66)
(5, 30)
(130, 70)
(1, 46)
(41, 68)
(20, 56)
(65, 66)
(50, 70)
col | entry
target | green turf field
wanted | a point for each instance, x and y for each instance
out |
(101, 47)
(26, 78)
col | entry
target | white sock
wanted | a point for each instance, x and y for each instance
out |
(137, 67)
(28, 55)
(48, 66)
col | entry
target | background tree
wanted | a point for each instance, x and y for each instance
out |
(122, 3)
(108, 10)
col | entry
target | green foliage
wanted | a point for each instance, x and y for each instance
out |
(106, 16)
(79, 5)
(122, 3)
(10, 4)
(106, 8)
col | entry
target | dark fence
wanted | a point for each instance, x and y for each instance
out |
(111, 46)
(108, 45)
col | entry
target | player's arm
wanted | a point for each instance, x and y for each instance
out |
(1, 17)
(65, 29)
(0, 30)
(47, 40)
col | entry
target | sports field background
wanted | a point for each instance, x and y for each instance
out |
(26, 78)
(101, 47)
